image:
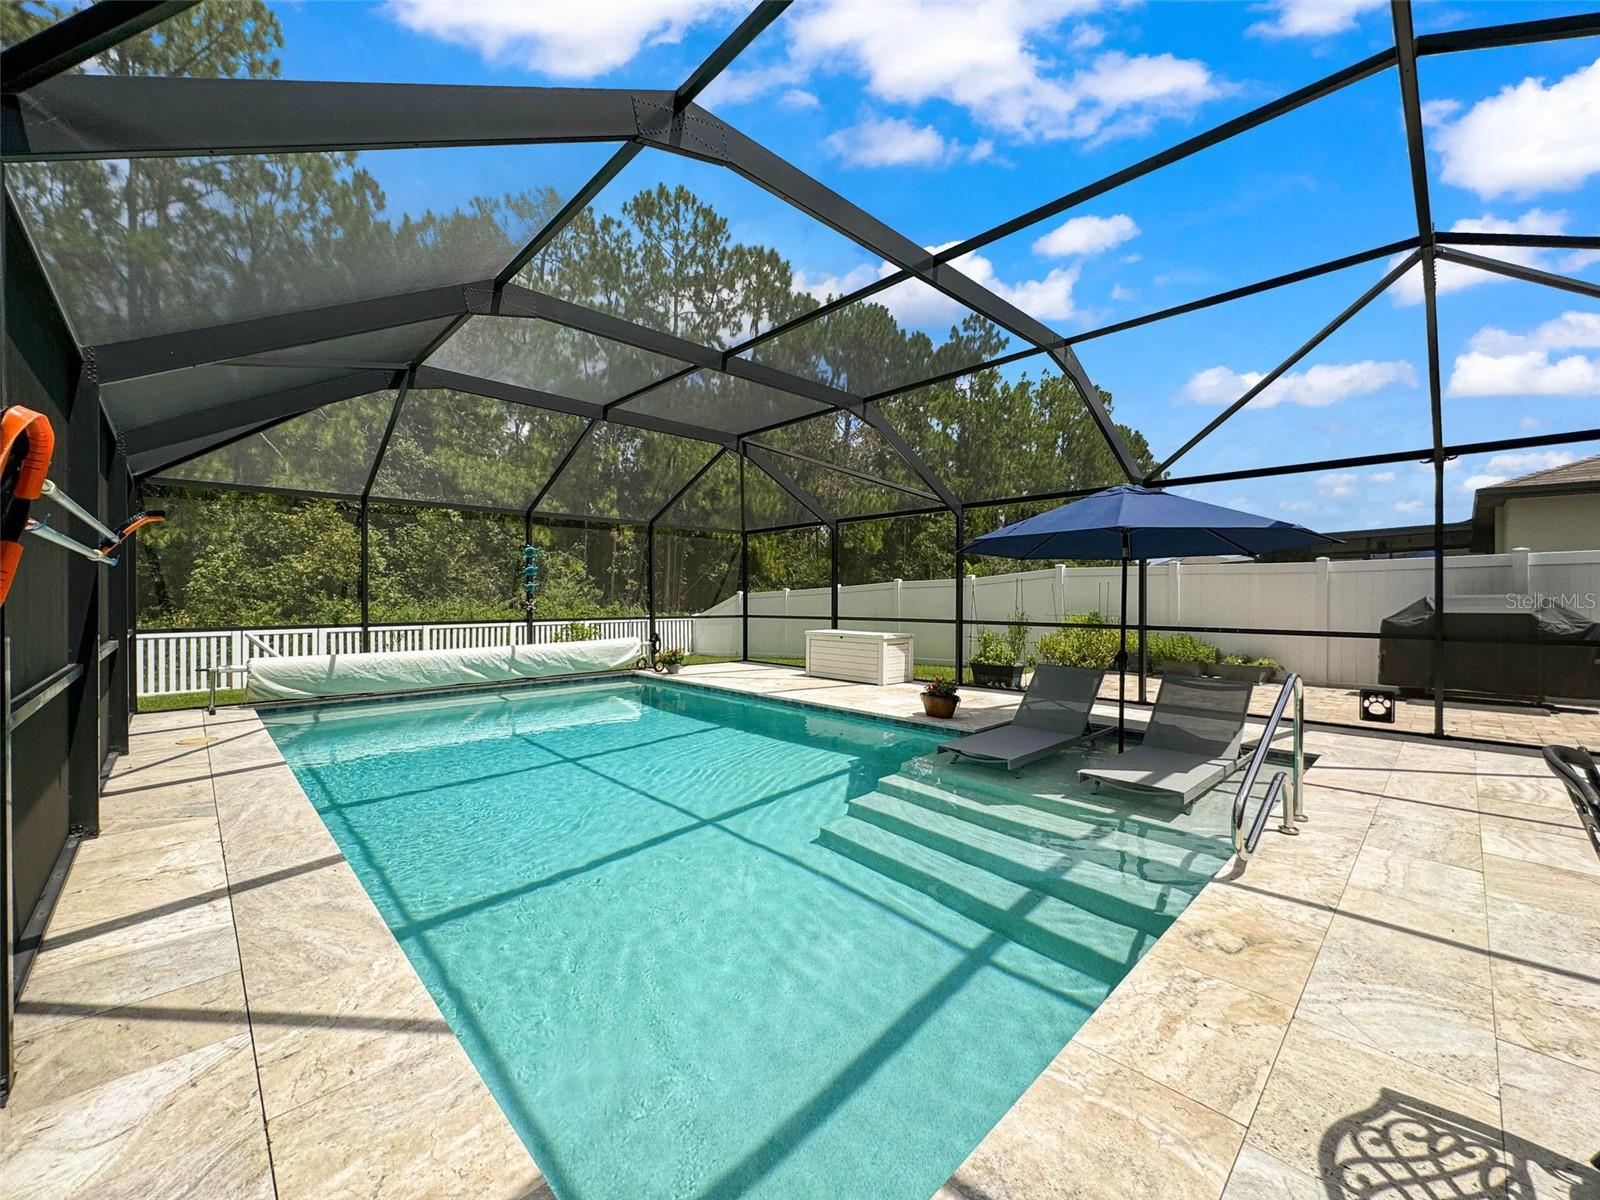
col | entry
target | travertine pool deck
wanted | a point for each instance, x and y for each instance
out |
(1402, 1001)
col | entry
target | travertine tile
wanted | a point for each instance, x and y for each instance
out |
(1543, 818)
(1089, 1129)
(1208, 1039)
(1438, 834)
(1364, 1122)
(74, 1056)
(1552, 1123)
(187, 1128)
(419, 1130)
(1264, 944)
(1512, 839)
(1415, 997)
(1576, 893)
(1258, 1176)
(318, 1035)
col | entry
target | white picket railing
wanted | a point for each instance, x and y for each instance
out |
(169, 663)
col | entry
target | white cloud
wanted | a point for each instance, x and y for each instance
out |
(799, 98)
(1120, 293)
(889, 142)
(1297, 506)
(1437, 112)
(1529, 374)
(1086, 235)
(996, 59)
(1500, 363)
(1381, 477)
(1340, 484)
(1529, 138)
(1087, 36)
(1512, 466)
(917, 305)
(1529, 424)
(1452, 277)
(1408, 506)
(1579, 260)
(1314, 18)
(895, 142)
(1572, 330)
(1317, 387)
(563, 39)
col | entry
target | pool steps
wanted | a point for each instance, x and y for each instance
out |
(1080, 884)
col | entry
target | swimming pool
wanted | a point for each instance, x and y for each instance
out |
(702, 945)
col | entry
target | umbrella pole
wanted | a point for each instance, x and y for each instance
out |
(1122, 649)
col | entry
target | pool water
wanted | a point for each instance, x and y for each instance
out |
(678, 964)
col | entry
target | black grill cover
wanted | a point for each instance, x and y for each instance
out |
(1520, 650)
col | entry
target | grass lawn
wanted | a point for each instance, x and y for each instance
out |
(188, 700)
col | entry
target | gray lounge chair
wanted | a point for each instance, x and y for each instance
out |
(1053, 714)
(1192, 741)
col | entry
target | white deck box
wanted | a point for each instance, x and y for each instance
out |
(859, 656)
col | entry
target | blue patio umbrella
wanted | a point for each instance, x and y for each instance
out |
(1131, 522)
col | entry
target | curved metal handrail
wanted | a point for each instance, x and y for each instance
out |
(1294, 808)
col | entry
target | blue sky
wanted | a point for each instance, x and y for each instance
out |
(945, 119)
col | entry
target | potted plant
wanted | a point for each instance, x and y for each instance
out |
(939, 699)
(995, 663)
(672, 659)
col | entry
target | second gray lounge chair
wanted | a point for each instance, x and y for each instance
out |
(1053, 714)
(1192, 741)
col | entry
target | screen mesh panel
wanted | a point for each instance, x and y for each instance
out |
(625, 473)
(1001, 433)
(695, 572)
(851, 443)
(550, 358)
(906, 334)
(222, 560)
(456, 447)
(767, 505)
(710, 503)
(147, 246)
(712, 400)
(588, 570)
(691, 249)
(435, 564)
(329, 449)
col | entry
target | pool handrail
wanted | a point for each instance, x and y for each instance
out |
(1244, 844)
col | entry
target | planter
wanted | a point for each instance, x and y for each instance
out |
(1170, 666)
(1250, 674)
(1001, 675)
(674, 668)
(943, 707)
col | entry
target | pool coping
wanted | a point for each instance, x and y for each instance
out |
(251, 1060)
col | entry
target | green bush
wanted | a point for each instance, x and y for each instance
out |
(994, 650)
(1097, 648)
(578, 631)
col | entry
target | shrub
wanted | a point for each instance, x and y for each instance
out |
(578, 631)
(1181, 647)
(994, 650)
(670, 657)
(1017, 637)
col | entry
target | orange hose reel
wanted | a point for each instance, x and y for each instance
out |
(26, 444)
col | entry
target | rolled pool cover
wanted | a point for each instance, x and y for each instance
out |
(310, 676)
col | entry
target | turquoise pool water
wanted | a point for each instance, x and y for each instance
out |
(618, 896)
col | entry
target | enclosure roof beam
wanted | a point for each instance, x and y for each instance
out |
(736, 43)
(388, 433)
(79, 37)
(572, 450)
(149, 116)
(1272, 376)
(684, 490)
(1518, 271)
(783, 479)
(152, 447)
(134, 357)
(1538, 241)
(1516, 33)
(435, 377)
(851, 472)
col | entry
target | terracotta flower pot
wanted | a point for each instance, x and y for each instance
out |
(943, 707)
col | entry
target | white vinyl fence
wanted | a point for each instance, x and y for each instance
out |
(173, 662)
(1348, 596)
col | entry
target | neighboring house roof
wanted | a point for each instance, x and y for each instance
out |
(1574, 477)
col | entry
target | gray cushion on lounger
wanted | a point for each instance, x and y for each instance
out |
(1192, 741)
(1053, 714)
